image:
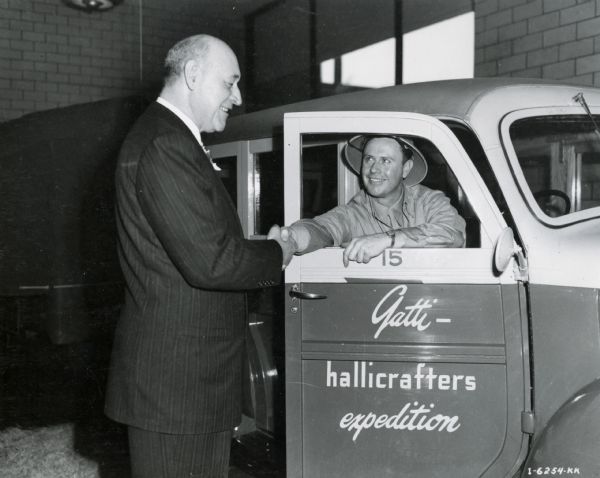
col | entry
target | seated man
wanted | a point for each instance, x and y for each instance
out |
(393, 210)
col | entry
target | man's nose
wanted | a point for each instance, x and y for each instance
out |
(236, 96)
(375, 166)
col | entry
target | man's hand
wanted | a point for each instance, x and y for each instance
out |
(362, 249)
(286, 242)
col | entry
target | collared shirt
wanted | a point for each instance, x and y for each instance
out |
(190, 124)
(422, 217)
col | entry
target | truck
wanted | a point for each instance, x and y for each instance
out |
(478, 361)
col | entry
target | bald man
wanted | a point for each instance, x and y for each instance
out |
(175, 376)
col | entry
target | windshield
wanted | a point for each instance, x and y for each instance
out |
(560, 159)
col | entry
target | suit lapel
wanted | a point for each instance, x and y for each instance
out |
(171, 121)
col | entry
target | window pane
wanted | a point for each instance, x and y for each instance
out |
(268, 191)
(560, 159)
(319, 179)
(590, 180)
(328, 71)
(373, 66)
(444, 50)
(475, 151)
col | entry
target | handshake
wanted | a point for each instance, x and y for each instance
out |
(286, 239)
(296, 240)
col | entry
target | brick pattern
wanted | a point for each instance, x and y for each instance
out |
(553, 39)
(53, 56)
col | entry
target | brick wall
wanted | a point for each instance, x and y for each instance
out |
(52, 55)
(553, 39)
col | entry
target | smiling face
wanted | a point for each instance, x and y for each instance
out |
(216, 90)
(383, 170)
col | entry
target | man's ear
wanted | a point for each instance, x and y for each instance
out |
(191, 74)
(406, 167)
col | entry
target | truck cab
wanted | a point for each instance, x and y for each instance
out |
(480, 360)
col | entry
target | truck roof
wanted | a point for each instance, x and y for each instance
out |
(448, 98)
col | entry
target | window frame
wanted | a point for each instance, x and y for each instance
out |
(517, 172)
(327, 265)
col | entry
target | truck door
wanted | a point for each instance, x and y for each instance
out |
(414, 364)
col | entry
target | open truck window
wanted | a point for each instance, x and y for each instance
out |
(323, 168)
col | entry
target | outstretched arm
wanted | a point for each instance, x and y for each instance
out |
(181, 200)
(308, 235)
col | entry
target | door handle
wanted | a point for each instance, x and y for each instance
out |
(306, 295)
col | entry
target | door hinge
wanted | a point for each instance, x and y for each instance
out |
(527, 422)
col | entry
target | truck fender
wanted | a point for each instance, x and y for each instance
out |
(571, 439)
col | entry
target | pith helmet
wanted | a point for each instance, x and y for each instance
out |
(353, 152)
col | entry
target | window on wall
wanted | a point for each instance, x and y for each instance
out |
(328, 71)
(437, 45)
(441, 51)
(373, 66)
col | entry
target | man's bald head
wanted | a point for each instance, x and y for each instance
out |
(202, 81)
(197, 48)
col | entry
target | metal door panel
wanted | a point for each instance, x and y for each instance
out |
(401, 313)
(384, 431)
(436, 313)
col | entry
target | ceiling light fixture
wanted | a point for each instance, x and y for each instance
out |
(92, 5)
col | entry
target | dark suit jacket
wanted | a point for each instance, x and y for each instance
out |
(177, 356)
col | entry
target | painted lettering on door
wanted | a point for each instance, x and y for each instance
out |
(410, 415)
(391, 312)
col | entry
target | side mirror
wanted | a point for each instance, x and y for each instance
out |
(505, 249)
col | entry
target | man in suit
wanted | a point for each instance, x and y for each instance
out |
(176, 367)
